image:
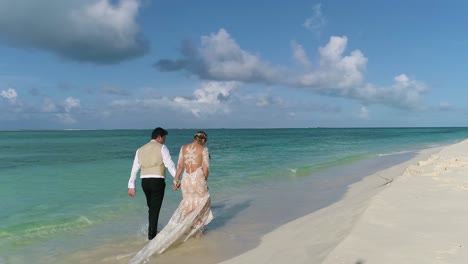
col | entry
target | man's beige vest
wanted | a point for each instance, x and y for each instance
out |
(150, 159)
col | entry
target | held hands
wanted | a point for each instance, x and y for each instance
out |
(176, 185)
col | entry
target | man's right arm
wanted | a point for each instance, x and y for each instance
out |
(167, 160)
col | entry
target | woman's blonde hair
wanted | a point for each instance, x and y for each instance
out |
(200, 135)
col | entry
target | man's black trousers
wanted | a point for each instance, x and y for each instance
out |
(154, 192)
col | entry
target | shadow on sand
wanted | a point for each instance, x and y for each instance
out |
(223, 213)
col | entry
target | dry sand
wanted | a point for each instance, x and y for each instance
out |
(415, 212)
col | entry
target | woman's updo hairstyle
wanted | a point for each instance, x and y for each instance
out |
(199, 136)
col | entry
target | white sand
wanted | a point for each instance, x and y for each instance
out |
(415, 212)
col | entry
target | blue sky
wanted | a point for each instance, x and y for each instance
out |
(109, 64)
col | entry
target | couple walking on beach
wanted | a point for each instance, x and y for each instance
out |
(193, 212)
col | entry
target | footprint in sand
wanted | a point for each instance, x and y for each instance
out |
(463, 187)
(411, 171)
(445, 255)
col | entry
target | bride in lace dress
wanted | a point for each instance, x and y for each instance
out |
(193, 212)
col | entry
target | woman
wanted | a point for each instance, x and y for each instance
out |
(193, 212)
(194, 160)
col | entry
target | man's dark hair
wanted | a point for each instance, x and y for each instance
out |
(159, 131)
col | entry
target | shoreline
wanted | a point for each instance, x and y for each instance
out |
(306, 234)
(242, 222)
(313, 237)
(420, 218)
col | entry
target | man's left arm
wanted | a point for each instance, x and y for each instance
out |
(133, 176)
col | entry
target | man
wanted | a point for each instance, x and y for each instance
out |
(152, 159)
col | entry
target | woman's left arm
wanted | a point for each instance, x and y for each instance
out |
(206, 162)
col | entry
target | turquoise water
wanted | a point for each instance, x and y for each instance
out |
(63, 190)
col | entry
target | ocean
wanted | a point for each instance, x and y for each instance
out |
(64, 193)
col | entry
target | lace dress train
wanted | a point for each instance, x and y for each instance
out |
(188, 220)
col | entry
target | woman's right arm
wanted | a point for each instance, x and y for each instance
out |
(180, 166)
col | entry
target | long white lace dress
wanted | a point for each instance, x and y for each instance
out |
(193, 212)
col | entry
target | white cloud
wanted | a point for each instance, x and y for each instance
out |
(300, 55)
(208, 99)
(9, 94)
(404, 93)
(226, 60)
(64, 111)
(317, 21)
(220, 58)
(71, 103)
(336, 74)
(86, 30)
(17, 111)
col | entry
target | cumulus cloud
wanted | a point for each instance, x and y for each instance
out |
(71, 103)
(16, 110)
(403, 93)
(65, 113)
(9, 94)
(68, 106)
(317, 21)
(220, 58)
(300, 55)
(209, 99)
(337, 73)
(98, 31)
